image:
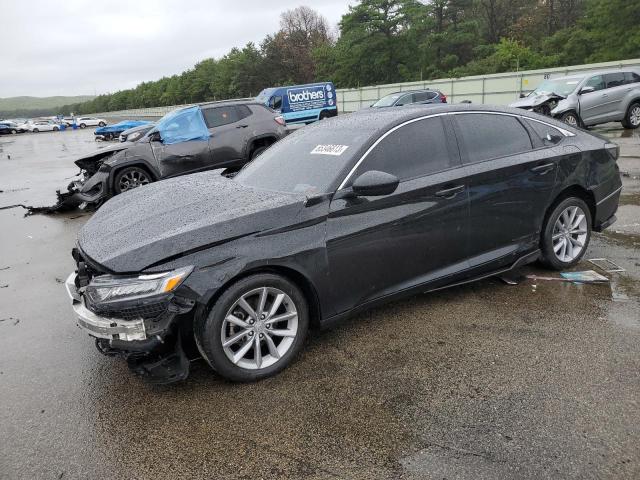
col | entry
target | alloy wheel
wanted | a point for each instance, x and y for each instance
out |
(569, 234)
(571, 120)
(259, 328)
(634, 118)
(132, 179)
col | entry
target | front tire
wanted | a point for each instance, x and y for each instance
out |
(82, 125)
(571, 119)
(35, 130)
(566, 234)
(255, 329)
(102, 124)
(55, 129)
(632, 118)
(130, 178)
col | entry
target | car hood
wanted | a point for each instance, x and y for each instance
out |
(99, 155)
(534, 100)
(140, 228)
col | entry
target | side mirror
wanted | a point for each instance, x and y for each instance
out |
(584, 90)
(374, 184)
(155, 137)
(523, 95)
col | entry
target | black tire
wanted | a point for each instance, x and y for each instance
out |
(82, 125)
(549, 230)
(35, 130)
(258, 151)
(13, 131)
(571, 118)
(102, 124)
(55, 129)
(324, 114)
(632, 118)
(208, 328)
(135, 175)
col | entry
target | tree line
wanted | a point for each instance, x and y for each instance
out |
(387, 41)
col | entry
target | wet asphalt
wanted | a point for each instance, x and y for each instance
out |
(485, 381)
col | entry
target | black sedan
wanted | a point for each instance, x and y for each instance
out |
(340, 216)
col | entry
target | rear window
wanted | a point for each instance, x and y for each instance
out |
(487, 136)
(424, 96)
(548, 135)
(614, 79)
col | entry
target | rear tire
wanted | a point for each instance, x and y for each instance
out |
(55, 129)
(102, 124)
(220, 341)
(566, 233)
(35, 130)
(632, 118)
(82, 125)
(258, 151)
(324, 114)
(13, 131)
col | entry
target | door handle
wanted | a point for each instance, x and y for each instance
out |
(450, 192)
(544, 168)
(242, 126)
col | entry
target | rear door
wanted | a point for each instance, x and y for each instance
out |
(511, 179)
(230, 129)
(616, 90)
(380, 245)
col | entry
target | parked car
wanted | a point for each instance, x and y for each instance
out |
(113, 131)
(136, 133)
(301, 103)
(84, 122)
(337, 217)
(218, 135)
(408, 97)
(589, 99)
(8, 128)
(43, 126)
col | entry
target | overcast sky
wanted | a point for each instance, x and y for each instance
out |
(74, 47)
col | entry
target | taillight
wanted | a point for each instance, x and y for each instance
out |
(443, 97)
(613, 150)
(280, 120)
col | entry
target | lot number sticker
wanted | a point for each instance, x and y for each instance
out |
(329, 149)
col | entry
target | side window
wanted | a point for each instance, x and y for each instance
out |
(218, 116)
(631, 77)
(548, 135)
(243, 111)
(596, 82)
(405, 100)
(275, 102)
(487, 136)
(414, 150)
(614, 79)
(423, 96)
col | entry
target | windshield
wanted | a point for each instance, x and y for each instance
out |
(310, 161)
(561, 87)
(387, 101)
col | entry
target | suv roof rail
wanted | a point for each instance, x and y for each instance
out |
(230, 100)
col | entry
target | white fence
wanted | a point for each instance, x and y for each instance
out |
(496, 89)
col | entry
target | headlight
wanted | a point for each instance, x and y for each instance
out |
(112, 288)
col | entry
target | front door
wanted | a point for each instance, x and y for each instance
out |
(594, 105)
(380, 245)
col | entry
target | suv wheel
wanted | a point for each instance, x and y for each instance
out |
(130, 178)
(566, 234)
(571, 118)
(254, 329)
(257, 152)
(632, 118)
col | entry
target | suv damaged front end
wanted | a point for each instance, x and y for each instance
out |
(135, 316)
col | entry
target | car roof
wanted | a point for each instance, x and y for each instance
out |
(596, 72)
(375, 120)
(415, 91)
(236, 101)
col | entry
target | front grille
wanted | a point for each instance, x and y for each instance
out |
(149, 311)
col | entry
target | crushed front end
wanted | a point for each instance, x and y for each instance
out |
(136, 317)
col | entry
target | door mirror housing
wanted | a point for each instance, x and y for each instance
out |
(375, 184)
(584, 90)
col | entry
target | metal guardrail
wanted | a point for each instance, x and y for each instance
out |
(497, 89)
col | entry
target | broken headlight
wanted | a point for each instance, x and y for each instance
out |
(113, 288)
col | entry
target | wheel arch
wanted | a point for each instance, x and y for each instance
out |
(291, 274)
(573, 191)
(254, 143)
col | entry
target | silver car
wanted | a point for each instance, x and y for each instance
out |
(589, 99)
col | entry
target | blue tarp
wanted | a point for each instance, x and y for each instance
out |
(182, 125)
(120, 126)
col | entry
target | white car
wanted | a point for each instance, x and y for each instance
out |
(43, 126)
(84, 122)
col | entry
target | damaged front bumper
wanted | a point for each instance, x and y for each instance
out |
(91, 190)
(152, 346)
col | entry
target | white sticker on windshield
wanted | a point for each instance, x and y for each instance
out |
(329, 149)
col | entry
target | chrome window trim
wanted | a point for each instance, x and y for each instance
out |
(564, 132)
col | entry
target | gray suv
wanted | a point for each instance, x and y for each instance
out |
(589, 99)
